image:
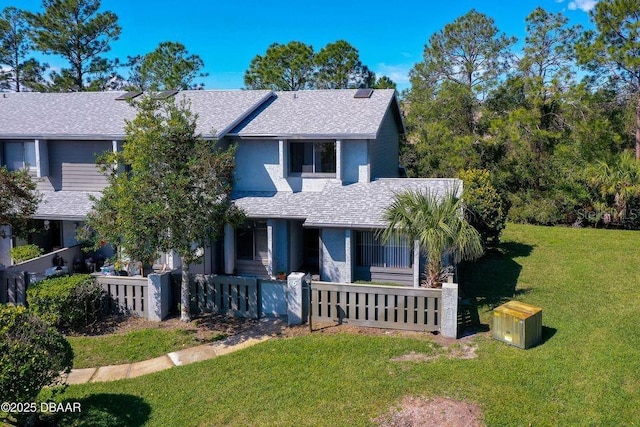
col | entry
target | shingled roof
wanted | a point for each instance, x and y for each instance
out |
(331, 114)
(97, 115)
(245, 113)
(359, 205)
(65, 205)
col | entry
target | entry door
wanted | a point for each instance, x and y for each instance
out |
(311, 246)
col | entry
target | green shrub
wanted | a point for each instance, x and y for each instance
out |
(486, 208)
(69, 303)
(32, 356)
(26, 252)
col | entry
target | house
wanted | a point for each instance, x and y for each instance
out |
(315, 171)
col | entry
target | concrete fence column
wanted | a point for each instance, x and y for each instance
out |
(229, 249)
(294, 298)
(159, 296)
(449, 327)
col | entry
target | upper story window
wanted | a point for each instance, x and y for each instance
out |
(20, 155)
(312, 158)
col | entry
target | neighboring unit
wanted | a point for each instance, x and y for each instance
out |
(315, 171)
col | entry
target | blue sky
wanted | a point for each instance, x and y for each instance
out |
(228, 34)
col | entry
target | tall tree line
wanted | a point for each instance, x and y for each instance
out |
(295, 66)
(80, 33)
(553, 124)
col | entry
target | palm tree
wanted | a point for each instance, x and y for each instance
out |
(618, 179)
(438, 224)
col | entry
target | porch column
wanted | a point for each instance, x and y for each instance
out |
(416, 263)
(5, 245)
(339, 160)
(173, 259)
(271, 247)
(283, 157)
(348, 274)
(229, 249)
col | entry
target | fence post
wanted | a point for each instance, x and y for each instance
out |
(294, 298)
(449, 327)
(21, 291)
(158, 296)
(3, 286)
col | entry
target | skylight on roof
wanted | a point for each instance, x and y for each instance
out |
(363, 93)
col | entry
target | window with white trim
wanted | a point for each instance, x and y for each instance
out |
(371, 251)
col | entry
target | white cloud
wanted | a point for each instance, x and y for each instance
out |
(583, 5)
(397, 73)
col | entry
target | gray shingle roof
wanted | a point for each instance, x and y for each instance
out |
(321, 113)
(68, 205)
(97, 115)
(360, 205)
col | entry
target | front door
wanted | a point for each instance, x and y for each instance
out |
(311, 249)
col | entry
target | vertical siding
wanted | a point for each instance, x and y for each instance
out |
(384, 151)
(72, 165)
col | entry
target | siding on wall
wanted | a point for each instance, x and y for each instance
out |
(384, 151)
(72, 165)
(354, 157)
(257, 166)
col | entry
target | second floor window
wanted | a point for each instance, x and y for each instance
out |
(20, 155)
(312, 157)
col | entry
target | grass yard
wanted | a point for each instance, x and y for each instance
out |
(133, 346)
(586, 372)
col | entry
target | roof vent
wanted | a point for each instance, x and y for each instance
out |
(129, 95)
(363, 93)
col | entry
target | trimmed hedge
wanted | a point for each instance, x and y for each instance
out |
(25, 253)
(69, 302)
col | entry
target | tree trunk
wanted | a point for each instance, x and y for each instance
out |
(638, 127)
(185, 303)
(17, 70)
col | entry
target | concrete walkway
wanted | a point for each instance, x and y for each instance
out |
(264, 330)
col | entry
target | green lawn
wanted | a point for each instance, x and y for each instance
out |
(586, 372)
(134, 346)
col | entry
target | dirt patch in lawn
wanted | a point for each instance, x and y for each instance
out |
(414, 411)
(466, 350)
(205, 327)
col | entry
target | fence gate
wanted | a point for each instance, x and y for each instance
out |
(237, 296)
(391, 307)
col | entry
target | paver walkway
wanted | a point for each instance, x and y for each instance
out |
(264, 330)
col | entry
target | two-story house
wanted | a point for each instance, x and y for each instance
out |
(315, 171)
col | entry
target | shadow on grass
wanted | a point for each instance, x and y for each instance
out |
(106, 410)
(488, 283)
(547, 334)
